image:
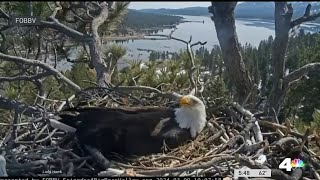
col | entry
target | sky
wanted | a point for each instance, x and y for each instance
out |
(166, 4)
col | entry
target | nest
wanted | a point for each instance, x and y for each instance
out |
(235, 138)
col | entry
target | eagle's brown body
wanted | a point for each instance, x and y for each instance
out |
(127, 131)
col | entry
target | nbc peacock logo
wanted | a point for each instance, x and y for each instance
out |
(297, 163)
(288, 164)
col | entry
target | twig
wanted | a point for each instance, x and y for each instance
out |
(42, 65)
(305, 138)
(187, 168)
(71, 169)
(98, 156)
(64, 103)
(56, 124)
(3, 170)
(305, 18)
(148, 89)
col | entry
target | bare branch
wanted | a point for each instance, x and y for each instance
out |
(43, 66)
(55, 25)
(56, 124)
(190, 39)
(65, 102)
(4, 14)
(99, 20)
(190, 54)
(308, 9)
(149, 89)
(197, 43)
(167, 37)
(49, 6)
(25, 78)
(9, 104)
(55, 11)
(103, 73)
(297, 74)
(3, 170)
(65, 30)
(305, 18)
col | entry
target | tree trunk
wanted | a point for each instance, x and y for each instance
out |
(224, 20)
(283, 15)
(103, 72)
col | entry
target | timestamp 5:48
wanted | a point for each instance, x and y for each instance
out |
(252, 173)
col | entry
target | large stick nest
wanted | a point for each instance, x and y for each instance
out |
(229, 141)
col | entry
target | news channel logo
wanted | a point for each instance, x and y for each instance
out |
(297, 163)
(288, 164)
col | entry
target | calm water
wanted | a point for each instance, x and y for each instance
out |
(249, 31)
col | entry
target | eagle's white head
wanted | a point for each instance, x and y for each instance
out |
(191, 114)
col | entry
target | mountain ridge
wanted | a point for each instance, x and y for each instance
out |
(261, 10)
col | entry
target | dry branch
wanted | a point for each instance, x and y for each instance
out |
(192, 68)
(56, 124)
(149, 89)
(44, 66)
(9, 104)
(25, 78)
(3, 171)
(304, 70)
(97, 12)
(305, 18)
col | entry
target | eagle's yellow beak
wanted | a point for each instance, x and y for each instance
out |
(185, 101)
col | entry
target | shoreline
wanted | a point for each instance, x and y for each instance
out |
(123, 38)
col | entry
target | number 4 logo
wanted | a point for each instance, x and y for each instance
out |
(286, 164)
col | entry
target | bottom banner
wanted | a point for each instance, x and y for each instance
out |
(112, 178)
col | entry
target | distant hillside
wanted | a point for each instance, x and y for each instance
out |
(262, 10)
(191, 11)
(139, 20)
(265, 10)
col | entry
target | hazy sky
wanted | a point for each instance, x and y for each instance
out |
(167, 4)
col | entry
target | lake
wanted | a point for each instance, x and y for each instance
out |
(249, 31)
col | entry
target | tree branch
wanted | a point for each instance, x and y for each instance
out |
(9, 104)
(305, 18)
(103, 74)
(297, 74)
(190, 54)
(149, 89)
(197, 43)
(25, 78)
(55, 11)
(4, 14)
(43, 66)
(99, 20)
(56, 25)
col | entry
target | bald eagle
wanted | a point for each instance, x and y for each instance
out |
(137, 131)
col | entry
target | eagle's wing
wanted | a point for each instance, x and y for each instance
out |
(169, 131)
(117, 129)
(176, 136)
(101, 118)
(159, 127)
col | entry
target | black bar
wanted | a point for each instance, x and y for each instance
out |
(112, 178)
